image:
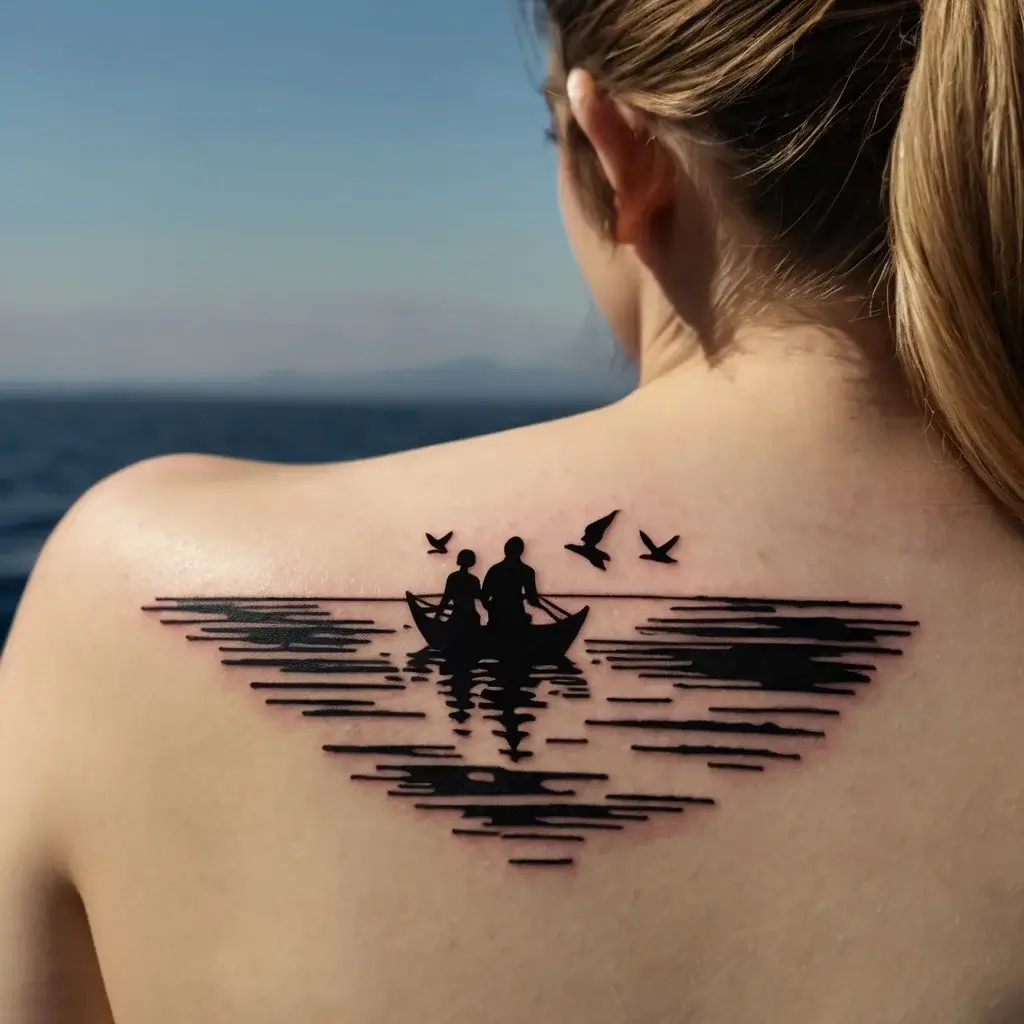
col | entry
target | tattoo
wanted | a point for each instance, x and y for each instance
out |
(439, 545)
(724, 685)
(592, 536)
(659, 552)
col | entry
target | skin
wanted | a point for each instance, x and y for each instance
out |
(165, 840)
(622, 278)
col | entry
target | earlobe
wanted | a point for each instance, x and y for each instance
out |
(655, 194)
(628, 227)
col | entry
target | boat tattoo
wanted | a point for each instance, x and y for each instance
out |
(451, 694)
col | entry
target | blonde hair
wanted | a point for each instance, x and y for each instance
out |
(877, 144)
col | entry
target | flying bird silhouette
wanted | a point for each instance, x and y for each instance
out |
(439, 545)
(659, 552)
(592, 536)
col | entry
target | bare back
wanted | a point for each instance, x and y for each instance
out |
(771, 774)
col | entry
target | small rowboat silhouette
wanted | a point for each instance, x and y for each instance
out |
(535, 643)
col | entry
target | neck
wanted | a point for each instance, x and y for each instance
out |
(790, 435)
(838, 346)
(809, 379)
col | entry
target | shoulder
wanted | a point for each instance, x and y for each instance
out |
(143, 489)
(70, 628)
(77, 679)
(103, 549)
(200, 524)
(194, 523)
(100, 528)
(110, 532)
(157, 526)
(138, 529)
(78, 652)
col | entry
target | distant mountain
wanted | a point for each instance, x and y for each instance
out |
(470, 379)
(481, 378)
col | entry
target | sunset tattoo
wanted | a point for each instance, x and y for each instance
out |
(738, 685)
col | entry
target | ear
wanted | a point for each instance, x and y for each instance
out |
(636, 165)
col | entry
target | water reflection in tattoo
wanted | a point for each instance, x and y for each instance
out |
(740, 685)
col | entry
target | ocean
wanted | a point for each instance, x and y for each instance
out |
(53, 449)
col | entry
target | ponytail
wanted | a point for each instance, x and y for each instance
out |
(957, 195)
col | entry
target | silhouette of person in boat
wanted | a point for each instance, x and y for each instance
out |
(461, 594)
(507, 585)
(453, 628)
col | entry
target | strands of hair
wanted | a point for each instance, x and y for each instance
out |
(874, 149)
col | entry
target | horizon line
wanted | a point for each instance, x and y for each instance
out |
(789, 601)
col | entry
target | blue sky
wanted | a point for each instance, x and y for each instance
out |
(190, 186)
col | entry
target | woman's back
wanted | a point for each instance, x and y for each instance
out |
(816, 817)
(702, 707)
